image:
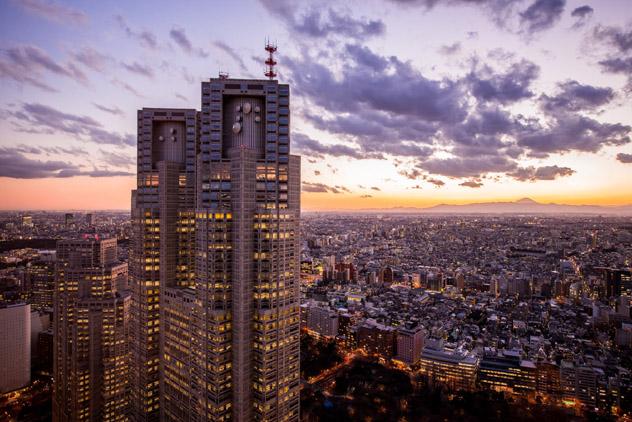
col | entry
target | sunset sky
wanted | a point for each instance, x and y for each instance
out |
(394, 102)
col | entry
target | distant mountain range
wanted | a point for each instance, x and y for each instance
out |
(522, 206)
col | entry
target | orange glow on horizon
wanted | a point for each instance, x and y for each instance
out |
(114, 193)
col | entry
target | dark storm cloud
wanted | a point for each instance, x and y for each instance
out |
(622, 66)
(111, 110)
(573, 96)
(624, 158)
(54, 12)
(541, 15)
(27, 64)
(320, 188)
(232, 54)
(507, 87)
(146, 38)
(39, 118)
(139, 69)
(541, 173)
(319, 24)
(179, 36)
(471, 184)
(583, 15)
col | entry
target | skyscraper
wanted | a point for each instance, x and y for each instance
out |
(91, 328)
(215, 258)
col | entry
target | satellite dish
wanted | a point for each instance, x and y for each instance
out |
(236, 127)
(161, 138)
(247, 108)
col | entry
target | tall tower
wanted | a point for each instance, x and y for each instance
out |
(163, 241)
(247, 228)
(91, 328)
(215, 258)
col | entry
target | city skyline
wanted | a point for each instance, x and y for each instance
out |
(495, 102)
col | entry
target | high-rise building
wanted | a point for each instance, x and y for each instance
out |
(91, 328)
(41, 281)
(90, 219)
(214, 262)
(15, 346)
(69, 219)
(410, 342)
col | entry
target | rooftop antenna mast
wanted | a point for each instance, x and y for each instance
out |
(270, 62)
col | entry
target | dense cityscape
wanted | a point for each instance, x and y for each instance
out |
(306, 211)
(534, 308)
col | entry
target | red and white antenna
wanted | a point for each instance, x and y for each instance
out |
(270, 62)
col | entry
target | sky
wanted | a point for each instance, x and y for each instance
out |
(394, 102)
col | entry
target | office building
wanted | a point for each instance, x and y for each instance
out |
(15, 346)
(410, 343)
(454, 370)
(322, 321)
(91, 329)
(214, 261)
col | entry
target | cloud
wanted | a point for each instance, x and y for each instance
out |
(27, 64)
(375, 188)
(146, 38)
(316, 172)
(310, 146)
(573, 96)
(471, 184)
(127, 87)
(624, 158)
(570, 132)
(366, 196)
(618, 53)
(450, 49)
(583, 15)
(618, 38)
(232, 54)
(438, 183)
(181, 97)
(179, 36)
(320, 24)
(14, 164)
(54, 12)
(508, 87)
(321, 188)
(139, 69)
(541, 173)
(111, 110)
(117, 159)
(513, 15)
(541, 15)
(92, 59)
(39, 118)
(472, 166)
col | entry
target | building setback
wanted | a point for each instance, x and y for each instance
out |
(214, 262)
